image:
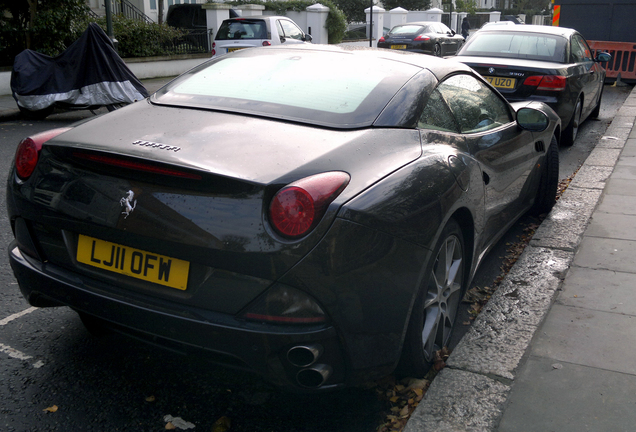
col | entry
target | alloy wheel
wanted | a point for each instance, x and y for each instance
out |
(444, 294)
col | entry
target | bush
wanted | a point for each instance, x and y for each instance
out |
(141, 39)
(336, 20)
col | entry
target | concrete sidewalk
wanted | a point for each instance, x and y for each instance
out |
(555, 348)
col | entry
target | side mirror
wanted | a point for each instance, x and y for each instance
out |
(532, 120)
(452, 32)
(603, 57)
(282, 39)
(307, 38)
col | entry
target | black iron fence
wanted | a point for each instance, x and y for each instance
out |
(193, 42)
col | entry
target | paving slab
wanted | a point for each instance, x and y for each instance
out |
(619, 204)
(561, 397)
(617, 226)
(588, 337)
(607, 254)
(601, 290)
(622, 187)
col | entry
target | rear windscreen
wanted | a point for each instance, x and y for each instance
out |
(517, 45)
(340, 90)
(242, 29)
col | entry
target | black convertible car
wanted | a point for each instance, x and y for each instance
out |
(554, 65)
(309, 213)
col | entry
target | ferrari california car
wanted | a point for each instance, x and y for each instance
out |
(316, 224)
(255, 31)
(541, 63)
(425, 37)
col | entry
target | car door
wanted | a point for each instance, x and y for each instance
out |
(485, 126)
(588, 73)
(450, 44)
(290, 32)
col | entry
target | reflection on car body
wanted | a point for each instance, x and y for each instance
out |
(318, 225)
(548, 64)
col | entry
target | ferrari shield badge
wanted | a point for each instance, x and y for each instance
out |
(128, 203)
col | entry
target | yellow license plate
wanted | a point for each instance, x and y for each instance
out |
(151, 267)
(398, 46)
(504, 83)
(233, 49)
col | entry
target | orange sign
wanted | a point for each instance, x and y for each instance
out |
(556, 15)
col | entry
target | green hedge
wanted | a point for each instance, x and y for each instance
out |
(138, 38)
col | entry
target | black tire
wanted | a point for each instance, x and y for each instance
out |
(546, 194)
(437, 50)
(435, 308)
(572, 130)
(597, 109)
(36, 115)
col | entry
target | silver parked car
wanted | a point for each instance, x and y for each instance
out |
(238, 33)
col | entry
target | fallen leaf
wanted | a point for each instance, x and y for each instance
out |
(50, 409)
(221, 425)
(150, 399)
(170, 426)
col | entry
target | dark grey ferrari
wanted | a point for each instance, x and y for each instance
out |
(308, 213)
(554, 65)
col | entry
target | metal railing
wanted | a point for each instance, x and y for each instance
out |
(128, 10)
(193, 42)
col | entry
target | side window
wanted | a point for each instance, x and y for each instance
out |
(584, 49)
(444, 29)
(437, 115)
(291, 30)
(475, 106)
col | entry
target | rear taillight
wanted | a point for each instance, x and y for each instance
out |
(422, 38)
(298, 207)
(213, 48)
(381, 39)
(28, 152)
(546, 82)
(267, 43)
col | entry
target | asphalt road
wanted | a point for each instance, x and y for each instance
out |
(48, 359)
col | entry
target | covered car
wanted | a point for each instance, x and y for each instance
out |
(554, 65)
(425, 37)
(88, 74)
(317, 224)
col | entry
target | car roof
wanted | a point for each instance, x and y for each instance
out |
(551, 30)
(423, 23)
(257, 17)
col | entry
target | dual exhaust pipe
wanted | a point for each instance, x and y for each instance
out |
(312, 375)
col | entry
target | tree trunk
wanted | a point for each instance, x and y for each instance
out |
(33, 6)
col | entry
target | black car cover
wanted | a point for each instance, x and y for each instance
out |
(88, 73)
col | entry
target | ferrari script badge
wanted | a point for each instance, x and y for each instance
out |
(128, 203)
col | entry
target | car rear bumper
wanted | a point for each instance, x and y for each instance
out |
(223, 339)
